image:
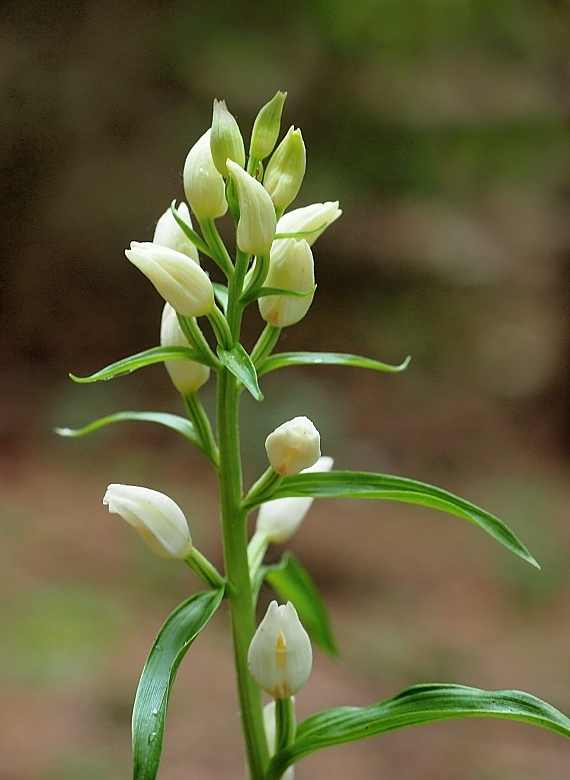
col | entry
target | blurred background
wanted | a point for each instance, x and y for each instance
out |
(442, 126)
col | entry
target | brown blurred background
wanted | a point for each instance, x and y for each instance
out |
(442, 127)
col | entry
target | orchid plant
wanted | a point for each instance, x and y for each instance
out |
(271, 265)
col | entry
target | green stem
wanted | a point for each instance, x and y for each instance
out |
(285, 723)
(197, 340)
(265, 343)
(198, 416)
(217, 247)
(221, 328)
(264, 486)
(207, 572)
(234, 533)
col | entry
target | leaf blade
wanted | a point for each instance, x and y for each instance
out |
(174, 639)
(292, 582)
(284, 359)
(417, 705)
(146, 358)
(172, 421)
(356, 484)
(241, 366)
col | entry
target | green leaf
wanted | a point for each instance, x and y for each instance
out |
(240, 364)
(283, 359)
(140, 360)
(360, 484)
(293, 583)
(262, 292)
(172, 642)
(221, 293)
(198, 242)
(173, 421)
(414, 706)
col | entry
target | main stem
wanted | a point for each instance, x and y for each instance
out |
(234, 531)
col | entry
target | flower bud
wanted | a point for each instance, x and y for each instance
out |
(280, 654)
(317, 215)
(177, 278)
(256, 226)
(270, 725)
(290, 268)
(286, 169)
(169, 233)
(293, 446)
(266, 127)
(203, 184)
(225, 139)
(157, 518)
(187, 376)
(278, 520)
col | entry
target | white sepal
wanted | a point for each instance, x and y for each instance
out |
(293, 446)
(187, 375)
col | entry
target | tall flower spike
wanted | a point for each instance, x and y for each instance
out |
(266, 127)
(286, 169)
(187, 375)
(225, 138)
(256, 226)
(203, 184)
(169, 233)
(280, 656)
(180, 280)
(293, 446)
(278, 520)
(290, 268)
(157, 518)
(317, 215)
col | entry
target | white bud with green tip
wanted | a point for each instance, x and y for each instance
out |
(156, 517)
(316, 217)
(286, 169)
(266, 127)
(225, 139)
(187, 375)
(280, 656)
(278, 520)
(293, 446)
(203, 183)
(169, 233)
(180, 280)
(256, 226)
(291, 267)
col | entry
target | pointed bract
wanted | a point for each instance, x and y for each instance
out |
(157, 518)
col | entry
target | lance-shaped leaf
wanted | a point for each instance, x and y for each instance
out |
(263, 292)
(414, 706)
(283, 359)
(241, 366)
(140, 360)
(360, 484)
(293, 583)
(173, 421)
(172, 642)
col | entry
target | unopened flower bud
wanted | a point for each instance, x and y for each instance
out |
(203, 183)
(187, 376)
(270, 725)
(177, 278)
(169, 233)
(317, 215)
(293, 446)
(256, 226)
(278, 520)
(225, 138)
(280, 654)
(266, 127)
(290, 268)
(286, 169)
(157, 518)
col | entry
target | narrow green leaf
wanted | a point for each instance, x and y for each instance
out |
(198, 242)
(172, 642)
(173, 421)
(240, 364)
(414, 706)
(360, 484)
(293, 583)
(262, 292)
(140, 360)
(283, 359)
(221, 293)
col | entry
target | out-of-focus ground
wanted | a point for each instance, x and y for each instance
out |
(443, 130)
